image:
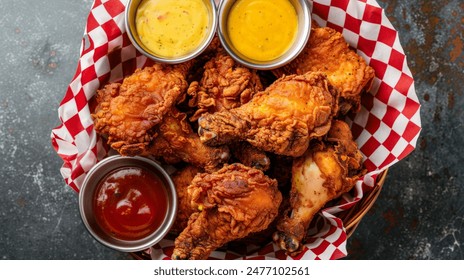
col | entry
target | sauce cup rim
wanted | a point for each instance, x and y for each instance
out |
(129, 24)
(297, 46)
(87, 191)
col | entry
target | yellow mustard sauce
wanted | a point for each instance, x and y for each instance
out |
(172, 28)
(261, 29)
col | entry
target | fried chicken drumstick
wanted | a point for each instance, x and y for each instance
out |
(176, 142)
(327, 51)
(234, 201)
(225, 84)
(126, 112)
(282, 119)
(328, 169)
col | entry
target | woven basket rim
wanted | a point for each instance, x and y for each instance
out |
(352, 218)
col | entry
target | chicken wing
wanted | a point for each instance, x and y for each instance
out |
(282, 119)
(234, 201)
(327, 51)
(125, 113)
(225, 84)
(176, 141)
(328, 169)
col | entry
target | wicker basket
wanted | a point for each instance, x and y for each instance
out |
(351, 218)
(387, 129)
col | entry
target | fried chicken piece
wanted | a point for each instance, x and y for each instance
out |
(327, 170)
(225, 84)
(196, 72)
(327, 51)
(126, 113)
(234, 201)
(182, 179)
(176, 141)
(282, 119)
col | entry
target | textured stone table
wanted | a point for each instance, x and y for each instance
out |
(419, 214)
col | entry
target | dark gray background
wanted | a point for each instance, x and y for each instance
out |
(419, 214)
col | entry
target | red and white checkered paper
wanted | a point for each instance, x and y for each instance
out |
(386, 129)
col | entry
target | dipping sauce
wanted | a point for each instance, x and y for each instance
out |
(262, 30)
(130, 203)
(172, 28)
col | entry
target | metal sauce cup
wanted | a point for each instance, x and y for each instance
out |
(302, 36)
(87, 197)
(130, 14)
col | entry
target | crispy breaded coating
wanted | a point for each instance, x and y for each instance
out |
(126, 113)
(282, 119)
(225, 84)
(177, 142)
(328, 52)
(328, 169)
(233, 202)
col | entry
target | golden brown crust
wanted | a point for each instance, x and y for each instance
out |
(328, 169)
(327, 51)
(127, 112)
(176, 142)
(234, 201)
(225, 84)
(282, 119)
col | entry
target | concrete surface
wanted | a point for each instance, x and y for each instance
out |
(419, 214)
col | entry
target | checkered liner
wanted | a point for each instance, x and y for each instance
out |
(386, 129)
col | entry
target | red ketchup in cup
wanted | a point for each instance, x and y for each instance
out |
(130, 203)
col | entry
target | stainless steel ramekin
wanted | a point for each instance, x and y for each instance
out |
(130, 14)
(87, 196)
(304, 29)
